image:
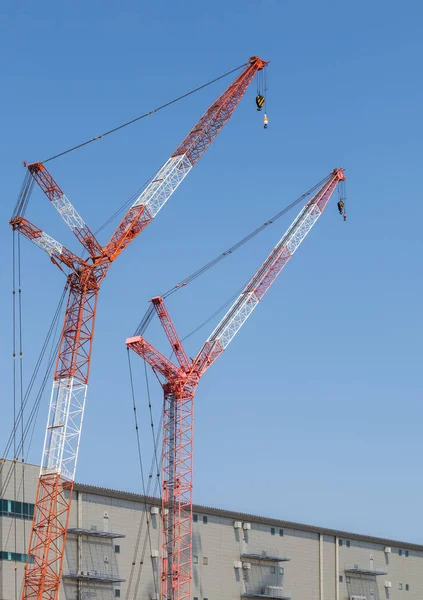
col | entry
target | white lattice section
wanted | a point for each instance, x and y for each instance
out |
(293, 238)
(64, 424)
(246, 302)
(165, 182)
(68, 213)
(242, 307)
(48, 244)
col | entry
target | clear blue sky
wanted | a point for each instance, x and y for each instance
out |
(314, 413)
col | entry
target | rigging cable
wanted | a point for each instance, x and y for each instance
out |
(141, 467)
(151, 112)
(157, 487)
(145, 321)
(34, 410)
(241, 242)
(14, 414)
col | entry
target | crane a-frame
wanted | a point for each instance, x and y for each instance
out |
(84, 277)
(180, 382)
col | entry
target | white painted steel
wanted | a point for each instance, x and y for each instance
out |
(164, 183)
(68, 213)
(246, 302)
(64, 425)
(48, 244)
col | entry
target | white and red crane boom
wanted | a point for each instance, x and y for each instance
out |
(258, 285)
(180, 382)
(61, 445)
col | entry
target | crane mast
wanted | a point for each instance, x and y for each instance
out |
(70, 383)
(179, 383)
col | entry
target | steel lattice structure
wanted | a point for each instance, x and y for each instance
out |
(70, 384)
(179, 383)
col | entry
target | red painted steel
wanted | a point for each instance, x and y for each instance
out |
(52, 506)
(179, 386)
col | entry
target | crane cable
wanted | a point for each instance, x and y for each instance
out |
(145, 489)
(147, 114)
(241, 242)
(31, 419)
(145, 321)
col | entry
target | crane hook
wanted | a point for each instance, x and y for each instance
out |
(265, 121)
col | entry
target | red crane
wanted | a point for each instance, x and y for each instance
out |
(180, 381)
(84, 277)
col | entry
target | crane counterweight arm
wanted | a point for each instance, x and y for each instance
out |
(57, 252)
(266, 275)
(167, 179)
(157, 361)
(64, 207)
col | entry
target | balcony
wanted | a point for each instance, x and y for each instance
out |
(95, 533)
(265, 557)
(93, 576)
(357, 570)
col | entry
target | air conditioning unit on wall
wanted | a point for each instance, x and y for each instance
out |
(388, 584)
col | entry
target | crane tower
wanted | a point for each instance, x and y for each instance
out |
(84, 277)
(180, 381)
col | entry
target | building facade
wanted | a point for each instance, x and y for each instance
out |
(113, 550)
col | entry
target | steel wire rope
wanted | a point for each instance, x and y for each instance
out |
(21, 394)
(151, 112)
(156, 440)
(134, 408)
(31, 384)
(242, 241)
(14, 520)
(47, 375)
(148, 315)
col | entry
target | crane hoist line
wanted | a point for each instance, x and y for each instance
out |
(84, 278)
(149, 113)
(180, 379)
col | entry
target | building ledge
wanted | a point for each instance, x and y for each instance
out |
(95, 533)
(265, 557)
(93, 576)
(363, 571)
(269, 596)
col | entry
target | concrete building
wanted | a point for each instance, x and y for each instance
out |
(109, 553)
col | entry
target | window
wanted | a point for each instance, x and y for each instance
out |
(195, 598)
(407, 554)
(407, 587)
(272, 531)
(117, 593)
(205, 560)
(195, 560)
(273, 570)
(400, 586)
(348, 543)
(205, 519)
(347, 579)
(15, 556)
(195, 518)
(117, 549)
(341, 579)
(340, 542)
(281, 571)
(21, 510)
(281, 532)
(400, 552)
